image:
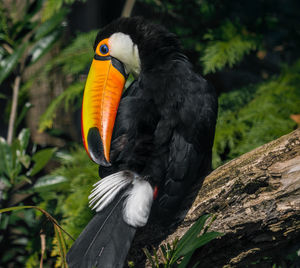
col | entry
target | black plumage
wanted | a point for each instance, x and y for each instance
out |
(165, 124)
(90, 251)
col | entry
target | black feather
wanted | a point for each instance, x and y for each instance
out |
(104, 242)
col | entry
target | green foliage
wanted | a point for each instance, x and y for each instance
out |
(69, 187)
(16, 36)
(214, 40)
(216, 36)
(24, 39)
(73, 60)
(69, 96)
(43, 46)
(50, 24)
(15, 164)
(8, 63)
(77, 56)
(227, 46)
(33, 261)
(16, 176)
(51, 7)
(256, 115)
(64, 193)
(58, 231)
(49, 183)
(184, 248)
(41, 158)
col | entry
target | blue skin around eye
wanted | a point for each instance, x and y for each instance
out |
(103, 49)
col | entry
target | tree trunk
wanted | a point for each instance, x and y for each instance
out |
(256, 199)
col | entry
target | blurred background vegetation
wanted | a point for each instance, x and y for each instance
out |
(249, 51)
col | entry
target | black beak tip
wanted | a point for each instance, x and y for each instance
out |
(95, 146)
(100, 160)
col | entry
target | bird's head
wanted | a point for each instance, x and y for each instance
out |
(125, 46)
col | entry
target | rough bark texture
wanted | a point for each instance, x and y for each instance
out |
(256, 199)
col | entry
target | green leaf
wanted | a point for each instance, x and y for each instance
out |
(185, 261)
(50, 24)
(19, 147)
(192, 233)
(5, 38)
(197, 242)
(24, 111)
(189, 237)
(48, 181)
(68, 96)
(149, 257)
(6, 163)
(61, 246)
(41, 158)
(4, 222)
(23, 178)
(164, 251)
(76, 57)
(221, 53)
(50, 7)
(227, 46)
(23, 137)
(2, 96)
(4, 150)
(25, 160)
(8, 64)
(5, 181)
(43, 46)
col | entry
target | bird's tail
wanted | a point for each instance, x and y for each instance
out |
(105, 241)
(123, 201)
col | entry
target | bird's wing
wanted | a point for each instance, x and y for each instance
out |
(184, 152)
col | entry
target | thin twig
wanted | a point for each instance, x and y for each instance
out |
(43, 248)
(14, 106)
(127, 9)
(53, 220)
(8, 48)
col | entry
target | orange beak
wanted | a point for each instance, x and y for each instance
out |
(102, 94)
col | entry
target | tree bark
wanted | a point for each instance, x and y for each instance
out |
(256, 199)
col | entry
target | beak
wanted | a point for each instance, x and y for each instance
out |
(102, 94)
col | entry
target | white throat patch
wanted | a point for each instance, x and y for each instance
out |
(122, 48)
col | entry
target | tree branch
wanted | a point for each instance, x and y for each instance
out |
(127, 9)
(256, 200)
(14, 106)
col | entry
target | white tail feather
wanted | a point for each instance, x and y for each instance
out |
(104, 187)
(107, 189)
(138, 204)
(108, 197)
(139, 199)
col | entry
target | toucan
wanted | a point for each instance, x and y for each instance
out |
(152, 141)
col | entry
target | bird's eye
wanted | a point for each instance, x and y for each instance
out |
(104, 49)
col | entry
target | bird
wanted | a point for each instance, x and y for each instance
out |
(152, 141)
